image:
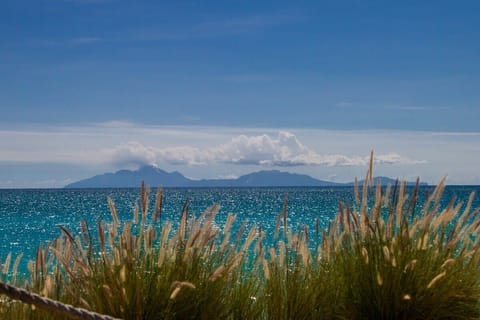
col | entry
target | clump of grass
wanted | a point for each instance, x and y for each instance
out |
(396, 264)
(380, 259)
(145, 271)
(295, 285)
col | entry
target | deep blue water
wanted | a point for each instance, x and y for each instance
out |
(31, 216)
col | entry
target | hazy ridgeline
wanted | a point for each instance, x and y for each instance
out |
(383, 255)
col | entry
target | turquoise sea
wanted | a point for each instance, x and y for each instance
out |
(31, 216)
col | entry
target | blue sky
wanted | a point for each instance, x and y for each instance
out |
(244, 75)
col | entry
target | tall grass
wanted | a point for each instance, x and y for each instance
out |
(380, 259)
(403, 265)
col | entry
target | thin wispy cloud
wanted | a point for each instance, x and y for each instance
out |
(84, 40)
(344, 104)
(213, 28)
(247, 23)
(89, 1)
(67, 42)
(419, 108)
(247, 78)
(114, 124)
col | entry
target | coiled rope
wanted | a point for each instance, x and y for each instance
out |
(47, 304)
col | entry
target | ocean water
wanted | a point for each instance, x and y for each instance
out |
(33, 216)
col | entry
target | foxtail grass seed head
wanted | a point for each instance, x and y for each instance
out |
(251, 236)
(436, 279)
(283, 252)
(85, 303)
(158, 205)
(379, 279)
(6, 264)
(16, 263)
(107, 291)
(394, 262)
(277, 226)
(47, 286)
(236, 260)
(386, 253)
(411, 265)
(145, 190)
(365, 254)
(447, 263)
(423, 243)
(266, 269)
(135, 214)
(407, 297)
(355, 191)
(123, 274)
(31, 267)
(217, 273)
(378, 195)
(178, 285)
(174, 293)
(226, 228)
(272, 253)
(386, 198)
(284, 213)
(370, 168)
(305, 254)
(113, 211)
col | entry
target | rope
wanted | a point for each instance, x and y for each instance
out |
(47, 304)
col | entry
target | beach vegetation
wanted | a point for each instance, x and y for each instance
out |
(385, 256)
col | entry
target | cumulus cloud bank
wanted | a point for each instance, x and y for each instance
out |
(284, 150)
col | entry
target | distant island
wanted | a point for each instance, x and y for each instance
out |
(154, 176)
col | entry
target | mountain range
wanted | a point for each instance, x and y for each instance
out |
(154, 176)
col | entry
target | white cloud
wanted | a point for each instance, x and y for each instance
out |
(131, 154)
(285, 150)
